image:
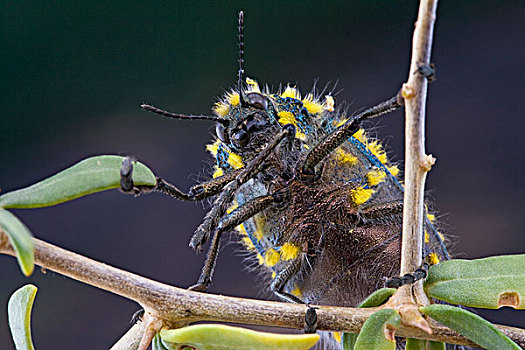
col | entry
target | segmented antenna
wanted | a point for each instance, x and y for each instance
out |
(183, 116)
(243, 100)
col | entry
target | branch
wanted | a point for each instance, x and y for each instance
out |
(417, 163)
(177, 307)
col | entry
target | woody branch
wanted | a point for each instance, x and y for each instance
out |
(176, 307)
(417, 163)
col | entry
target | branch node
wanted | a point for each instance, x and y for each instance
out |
(407, 91)
(427, 162)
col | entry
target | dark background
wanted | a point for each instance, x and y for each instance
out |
(73, 75)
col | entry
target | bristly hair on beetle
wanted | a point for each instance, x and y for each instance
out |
(313, 198)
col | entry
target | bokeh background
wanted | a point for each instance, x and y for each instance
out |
(74, 73)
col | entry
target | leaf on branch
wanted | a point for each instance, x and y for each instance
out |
(21, 240)
(436, 345)
(415, 344)
(157, 344)
(373, 300)
(377, 298)
(484, 283)
(19, 312)
(471, 326)
(222, 337)
(378, 331)
(91, 175)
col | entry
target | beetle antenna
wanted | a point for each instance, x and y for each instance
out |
(156, 110)
(244, 101)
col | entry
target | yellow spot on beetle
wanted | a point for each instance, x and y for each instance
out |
(394, 170)
(248, 243)
(260, 223)
(260, 258)
(291, 92)
(221, 109)
(360, 136)
(271, 257)
(235, 161)
(337, 336)
(375, 177)
(313, 107)
(233, 98)
(242, 230)
(213, 148)
(218, 172)
(377, 150)
(338, 124)
(297, 292)
(234, 206)
(253, 86)
(431, 217)
(433, 259)
(343, 157)
(360, 195)
(427, 237)
(287, 118)
(289, 251)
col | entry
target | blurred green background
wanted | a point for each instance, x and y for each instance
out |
(74, 73)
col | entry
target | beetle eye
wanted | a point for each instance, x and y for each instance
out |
(240, 138)
(255, 122)
(221, 132)
(257, 100)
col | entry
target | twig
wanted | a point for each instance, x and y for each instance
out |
(417, 163)
(177, 307)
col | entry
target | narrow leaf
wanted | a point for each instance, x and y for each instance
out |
(415, 344)
(373, 300)
(19, 313)
(485, 283)
(91, 175)
(378, 297)
(471, 326)
(21, 240)
(378, 331)
(436, 345)
(348, 341)
(222, 337)
(156, 343)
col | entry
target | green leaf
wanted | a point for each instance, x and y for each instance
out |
(415, 344)
(378, 331)
(91, 175)
(485, 283)
(378, 297)
(156, 343)
(373, 300)
(19, 313)
(436, 345)
(21, 240)
(348, 341)
(471, 326)
(222, 337)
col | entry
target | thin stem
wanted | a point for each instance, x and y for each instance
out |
(417, 163)
(178, 307)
